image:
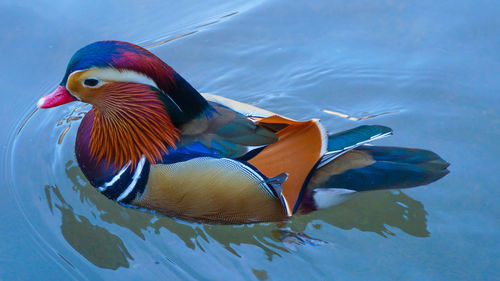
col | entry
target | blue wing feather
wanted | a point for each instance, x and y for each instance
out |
(345, 141)
(355, 137)
(188, 152)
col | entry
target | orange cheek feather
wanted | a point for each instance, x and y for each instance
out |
(130, 121)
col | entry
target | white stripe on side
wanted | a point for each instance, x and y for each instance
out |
(289, 212)
(135, 178)
(114, 179)
(324, 136)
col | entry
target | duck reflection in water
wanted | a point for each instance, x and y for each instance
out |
(369, 212)
(95, 243)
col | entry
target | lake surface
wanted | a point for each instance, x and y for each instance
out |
(430, 68)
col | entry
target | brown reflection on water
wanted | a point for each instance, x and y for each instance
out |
(369, 212)
(95, 243)
(372, 212)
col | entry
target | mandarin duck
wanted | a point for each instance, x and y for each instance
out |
(152, 141)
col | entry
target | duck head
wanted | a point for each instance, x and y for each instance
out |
(139, 101)
(99, 66)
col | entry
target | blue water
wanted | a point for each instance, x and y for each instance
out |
(430, 68)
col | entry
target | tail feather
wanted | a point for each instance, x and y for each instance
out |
(383, 168)
(401, 154)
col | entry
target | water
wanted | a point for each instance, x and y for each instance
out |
(433, 67)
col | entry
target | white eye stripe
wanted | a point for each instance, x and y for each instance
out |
(112, 74)
(109, 74)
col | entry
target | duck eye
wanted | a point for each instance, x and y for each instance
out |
(91, 82)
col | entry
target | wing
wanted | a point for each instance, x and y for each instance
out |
(225, 133)
(299, 148)
(282, 150)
